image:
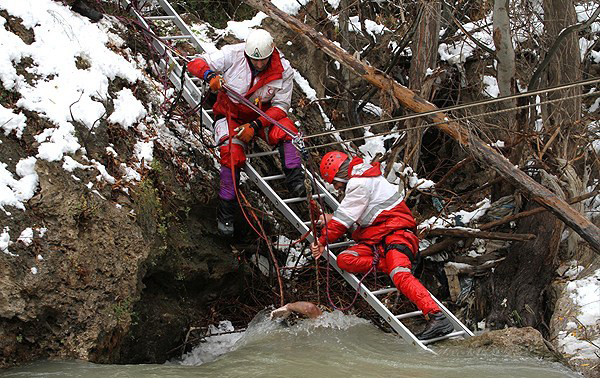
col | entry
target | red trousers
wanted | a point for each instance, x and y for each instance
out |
(359, 259)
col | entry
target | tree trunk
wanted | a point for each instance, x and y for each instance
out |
(423, 57)
(562, 118)
(505, 53)
(515, 291)
(505, 76)
(480, 150)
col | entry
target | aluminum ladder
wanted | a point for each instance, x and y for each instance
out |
(193, 95)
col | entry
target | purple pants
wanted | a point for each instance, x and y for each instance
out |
(291, 157)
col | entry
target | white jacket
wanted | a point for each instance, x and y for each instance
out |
(365, 198)
(235, 69)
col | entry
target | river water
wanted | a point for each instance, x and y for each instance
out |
(335, 345)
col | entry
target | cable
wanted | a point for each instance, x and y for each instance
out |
(462, 106)
(454, 119)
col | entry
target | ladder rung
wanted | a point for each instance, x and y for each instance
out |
(408, 315)
(259, 154)
(170, 37)
(452, 334)
(296, 199)
(274, 177)
(384, 291)
(160, 18)
(341, 244)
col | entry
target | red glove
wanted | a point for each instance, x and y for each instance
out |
(215, 81)
(245, 133)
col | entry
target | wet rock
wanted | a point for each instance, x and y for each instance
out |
(512, 341)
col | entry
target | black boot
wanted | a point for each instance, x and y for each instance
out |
(438, 325)
(294, 182)
(84, 9)
(225, 215)
(294, 177)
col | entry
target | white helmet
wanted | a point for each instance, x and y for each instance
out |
(259, 44)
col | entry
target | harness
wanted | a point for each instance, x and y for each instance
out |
(415, 258)
(402, 248)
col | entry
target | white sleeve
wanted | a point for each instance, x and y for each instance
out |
(354, 204)
(283, 98)
(219, 61)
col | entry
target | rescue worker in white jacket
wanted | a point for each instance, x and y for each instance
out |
(386, 234)
(258, 71)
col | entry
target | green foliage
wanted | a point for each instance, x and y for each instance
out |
(148, 207)
(156, 166)
(124, 310)
(84, 210)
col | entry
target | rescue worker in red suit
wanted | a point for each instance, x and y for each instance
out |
(385, 224)
(257, 70)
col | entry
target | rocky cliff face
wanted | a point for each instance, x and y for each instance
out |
(107, 237)
(98, 273)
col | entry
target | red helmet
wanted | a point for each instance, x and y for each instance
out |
(330, 164)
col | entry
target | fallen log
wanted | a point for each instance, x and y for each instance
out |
(447, 243)
(465, 233)
(438, 247)
(410, 100)
(531, 212)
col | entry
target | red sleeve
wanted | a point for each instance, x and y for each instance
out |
(333, 232)
(273, 112)
(198, 67)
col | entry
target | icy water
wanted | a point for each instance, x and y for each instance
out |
(335, 345)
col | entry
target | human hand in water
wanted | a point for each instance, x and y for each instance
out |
(316, 249)
(281, 312)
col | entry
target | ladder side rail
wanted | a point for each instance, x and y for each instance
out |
(290, 215)
(191, 93)
(156, 44)
(453, 319)
(185, 30)
(330, 200)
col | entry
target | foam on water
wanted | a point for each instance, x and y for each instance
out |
(261, 328)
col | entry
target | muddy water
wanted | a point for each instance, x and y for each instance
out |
(335, 345)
